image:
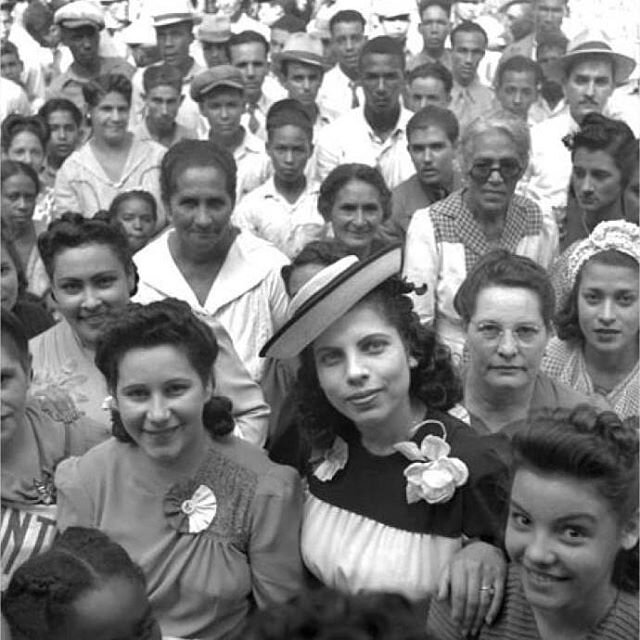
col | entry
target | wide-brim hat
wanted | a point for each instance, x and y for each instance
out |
(594, 42)
(305, 48)
(214, 28)
(166, 12)
(327, 296)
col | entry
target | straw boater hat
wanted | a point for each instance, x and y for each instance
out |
(166, 12)
(327, 296)
(214, 28)
(305, 48)
(594, 41)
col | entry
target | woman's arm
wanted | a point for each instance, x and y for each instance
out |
(274, 547)
(74, 507)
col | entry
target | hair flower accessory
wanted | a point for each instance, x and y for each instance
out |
(335, 459)
(433, 476)
(190, 508)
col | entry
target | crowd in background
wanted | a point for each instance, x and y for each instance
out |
(320, 319)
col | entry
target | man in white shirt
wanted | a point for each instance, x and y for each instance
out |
(375, 133)
(340, 90)
(591, 70)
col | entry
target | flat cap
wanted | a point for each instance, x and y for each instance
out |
(223, 75)
(80, 13)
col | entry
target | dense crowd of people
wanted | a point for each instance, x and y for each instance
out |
(319, 320)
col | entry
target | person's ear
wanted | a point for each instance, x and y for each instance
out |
(630, 532)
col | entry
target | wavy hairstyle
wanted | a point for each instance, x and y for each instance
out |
(40, 598)
(599, 450)
(567, 320)
(166, 322)
(95, 90)
(16, 123)
(434, 380)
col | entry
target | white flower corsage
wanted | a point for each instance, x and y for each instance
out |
(190, 509)
(334, 460)
(433, 477)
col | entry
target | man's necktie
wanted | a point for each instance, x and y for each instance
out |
(354, 94)
(254, 125)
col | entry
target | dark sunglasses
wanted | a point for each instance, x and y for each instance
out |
(508, 168)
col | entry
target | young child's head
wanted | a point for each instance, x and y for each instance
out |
(11, 66)
(85, 586)
(162, 95)
(289, 140)
(137, 211)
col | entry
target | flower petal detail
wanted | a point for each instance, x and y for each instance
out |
(335, 459)
(434, 448)
(204, 507)
(409, 450)
(190, 508)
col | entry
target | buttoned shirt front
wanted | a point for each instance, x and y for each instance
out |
(254, 165)
(467, 103)
(266, 213)
(350, 138)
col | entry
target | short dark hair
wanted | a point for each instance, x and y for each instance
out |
(8, 48)
(435, 116)
(318, 252)
(383, 45)
(165, 322)
(95, 90)
(445, 5)
(501, 268)
(10, 168)
(345, 173)
(551, 39)
(567, 320)
(161, 75)
(134, 194)
(196, 153)
(40, 597)
(16, 123)
(247, 37)
(14, 338)
(519, 64)
(466, 26)
(73, 230)
(289, 23)
(60, 104)
(597, 449)
(432, 70)
(346, 15)
(37, 19)
(288, 112)
(614, 137)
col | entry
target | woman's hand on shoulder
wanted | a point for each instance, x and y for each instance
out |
(474, 583)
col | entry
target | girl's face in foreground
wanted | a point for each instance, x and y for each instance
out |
(564, 537)
(136, 216)
(117, 610)
(160, 397)
(363, 367)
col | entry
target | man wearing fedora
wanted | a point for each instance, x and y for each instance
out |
(80, 23)
(590, 71)
(373, 134)
(213, 34)
(173, 21)
(301, 66)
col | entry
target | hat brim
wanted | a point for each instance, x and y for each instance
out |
(331, 302)
(176, 19)
(223, 39)
(623, 66)
(77, 24)
(199, 97)
(301, 56)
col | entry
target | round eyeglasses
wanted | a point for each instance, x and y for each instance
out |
(508, 168)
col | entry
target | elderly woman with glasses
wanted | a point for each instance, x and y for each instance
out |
(446, 239)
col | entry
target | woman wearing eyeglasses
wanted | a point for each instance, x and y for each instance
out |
(506, 305)
(446, 240)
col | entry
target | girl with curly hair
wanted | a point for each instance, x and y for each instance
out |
(572, 532)
(401, 494)
(212, 522)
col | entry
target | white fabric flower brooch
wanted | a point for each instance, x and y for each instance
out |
(335, 459)
(190, 508)
(433, 476)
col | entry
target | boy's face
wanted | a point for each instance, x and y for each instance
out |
(214, 53)
(289, 148)
(11, 67)
(422, 92)
(65, 134)
(223, 109)
(303, 81)
(517, 92)
(162, 104)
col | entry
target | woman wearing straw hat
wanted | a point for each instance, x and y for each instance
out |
(398, 489)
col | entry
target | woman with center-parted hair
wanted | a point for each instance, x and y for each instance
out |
(447, 239)
(213, 523)
(112, 160)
